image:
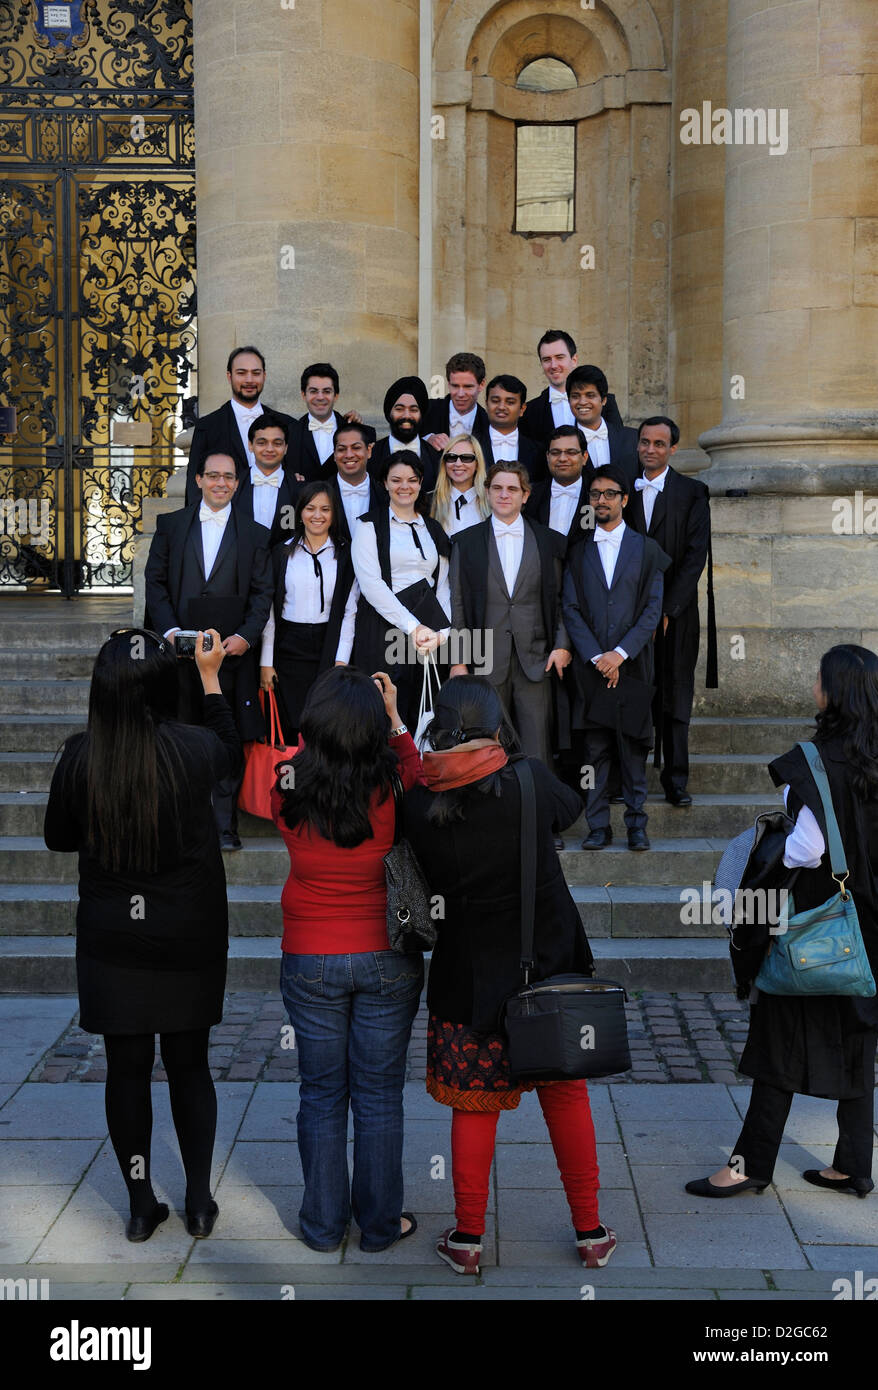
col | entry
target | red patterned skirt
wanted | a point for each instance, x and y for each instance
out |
(469, 1070)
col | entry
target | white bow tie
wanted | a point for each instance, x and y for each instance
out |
(558, 490)
(606, 537)
(327, 426)
(206, 514)
(599, 433)
(556, 396)
(642, 483)
(356, 490)
(498, 438)
(263, 480)
(516, 529)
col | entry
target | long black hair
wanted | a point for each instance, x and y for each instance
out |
(344, 761)
(849, 677)
(467, 708)
(123, 762)
(308, 493)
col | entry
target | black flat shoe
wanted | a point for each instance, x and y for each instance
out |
(638, 839)
(142, 1227)
(678, 798)
(403, 1235)
(703, 1187)
(200, 1223)
(598, 839)
(861, 1186)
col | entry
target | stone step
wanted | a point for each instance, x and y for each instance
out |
(724, 774)
(49, 909)
(38, 733)
(22, 813)
(65, 629)
(47, 966)
(748, 735)
(63, 698)
(59, 663)
(26, 772)
(25, 859)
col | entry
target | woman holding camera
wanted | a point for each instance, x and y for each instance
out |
(132, 795)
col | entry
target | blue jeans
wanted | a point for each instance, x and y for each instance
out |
(352, 1015)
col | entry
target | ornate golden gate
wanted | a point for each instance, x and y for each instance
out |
(97, 290)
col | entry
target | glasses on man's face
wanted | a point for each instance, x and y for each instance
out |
(595, 494)
(460, 458)
(565, 453)
(219, 477)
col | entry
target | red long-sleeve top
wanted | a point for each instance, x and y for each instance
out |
(335, 900)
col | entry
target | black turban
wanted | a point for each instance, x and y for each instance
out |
(406, 386)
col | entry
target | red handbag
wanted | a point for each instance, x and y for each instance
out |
(260, 760)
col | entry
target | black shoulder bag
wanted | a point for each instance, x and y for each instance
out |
(568, 1026)
(410, 927)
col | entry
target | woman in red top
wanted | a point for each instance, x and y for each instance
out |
(350, 999)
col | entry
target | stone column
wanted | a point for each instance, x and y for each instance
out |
(800, 340)
(306, 126)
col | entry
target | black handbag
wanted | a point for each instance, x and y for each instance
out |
(410, 925)
(568, 1026)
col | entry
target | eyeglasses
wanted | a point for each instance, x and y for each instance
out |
(596, 494)
(565, 453)
(460, 458)
(220, 477)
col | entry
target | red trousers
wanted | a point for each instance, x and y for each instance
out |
(567, 1113)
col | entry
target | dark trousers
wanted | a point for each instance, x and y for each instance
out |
(190, 710)
(674, 735)
(601, 747)
(761, 1135)
(528, 705)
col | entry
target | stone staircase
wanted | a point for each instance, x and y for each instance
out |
(630, 903)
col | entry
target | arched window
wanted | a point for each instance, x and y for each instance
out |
(546, 75)
(545, 157)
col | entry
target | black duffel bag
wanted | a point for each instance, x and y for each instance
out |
(569, 1026)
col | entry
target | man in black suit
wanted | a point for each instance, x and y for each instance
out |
(675, 511)
(505, 398)
(606, 443)
(557, 353)
(226, 430)
(208, 566)
(561, 501)
(313, 433)
(354, 490)
(405, 409)
(505, 585)
(459, 412)
(269, 491)
(612, 603)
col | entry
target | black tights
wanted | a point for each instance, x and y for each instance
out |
(130, 1060)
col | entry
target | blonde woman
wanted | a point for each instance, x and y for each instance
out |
(459, 498)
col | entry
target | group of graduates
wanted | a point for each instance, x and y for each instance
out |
(542, 544)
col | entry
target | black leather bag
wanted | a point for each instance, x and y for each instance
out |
(410, 925)
(568, 1026)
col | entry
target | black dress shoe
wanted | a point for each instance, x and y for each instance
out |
(200, 1223)
(142, 1227)
(638, 839)
(703, 1187)
(559, 843)
(861, 1186)
(229, 840)
(598, 839)
(678, 798)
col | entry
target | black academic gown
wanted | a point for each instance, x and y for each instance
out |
(539, 505)
(218, 433)
(429, 458)
(377, 497)
(438, 420)
(537, 422)
(285, 505)
(530, 455)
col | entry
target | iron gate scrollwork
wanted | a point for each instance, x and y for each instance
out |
(97, 279)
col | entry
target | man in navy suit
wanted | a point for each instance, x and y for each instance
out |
(612, 604)
(606, 442)
(459, 412)
(557, 353)
(505, 398)
(225, 431)
(269, 491)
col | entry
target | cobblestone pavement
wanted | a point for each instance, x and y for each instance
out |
(673, 1037)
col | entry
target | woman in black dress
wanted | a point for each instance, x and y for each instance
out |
(820, 1045)
(132, 795)
(311, 627)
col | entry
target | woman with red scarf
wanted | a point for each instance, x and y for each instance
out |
(472, 803)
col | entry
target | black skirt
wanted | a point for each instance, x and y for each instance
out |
(298, 648)
(119, 999)
(814, 1046)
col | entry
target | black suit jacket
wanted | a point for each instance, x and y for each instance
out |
(429, 458)
(531, 455)
(302, 455)
(438, 420)
(537, 422)
(284, 512)
(538, 508)
(377, 496)
(218, 433)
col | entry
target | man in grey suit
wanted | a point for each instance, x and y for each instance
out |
(506, 583)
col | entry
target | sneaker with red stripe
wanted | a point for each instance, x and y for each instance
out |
(596, 1250)
(464, 1259)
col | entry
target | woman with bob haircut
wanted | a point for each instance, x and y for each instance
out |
(820, 1045)
(132, 795)
(459, 497)
(350, 999)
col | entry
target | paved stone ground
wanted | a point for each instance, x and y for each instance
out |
(673, 1037)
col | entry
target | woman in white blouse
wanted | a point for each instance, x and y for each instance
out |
(401, 564)
(311, 626)
(459, 498)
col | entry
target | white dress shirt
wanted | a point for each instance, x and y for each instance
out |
(650, 489)
(510, 546)
(504, 447)
(321, 432)
(598, 444)
(609, 544)
(407, 566)
(302, 599)
(245, 415)
(805, 845)
(464, 510)
(397, 444)
(564, 504)
(213, 528)
(265, 487)
(561, 412)
(354, 499)
(460, 424)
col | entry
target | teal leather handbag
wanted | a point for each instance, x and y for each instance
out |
(819, 951)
